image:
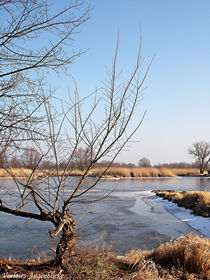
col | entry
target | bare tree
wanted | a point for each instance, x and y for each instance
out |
(34, 41)
(103, 138)
(30, 157)
(144, 162)
(25, 22)
(2, 160)
(81, 158)
(57, 134)
(14, 162)
(201, 151)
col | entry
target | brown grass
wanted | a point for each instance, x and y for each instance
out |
(186, 171)
(25, 172)
(117, 172)
(187, 257)
(197, 201)
(17, 172)
(145, 172)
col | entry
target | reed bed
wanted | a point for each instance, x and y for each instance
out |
(197, 201)
(117, 172)
(25, 172)
(186, 171)
(144, 172)
(17, 172)
(120, 172)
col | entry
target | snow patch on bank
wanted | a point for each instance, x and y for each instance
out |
(198, 223)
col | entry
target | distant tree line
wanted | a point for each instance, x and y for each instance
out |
(178, 165)
(29, 157)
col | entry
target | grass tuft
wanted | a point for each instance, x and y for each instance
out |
(187, 257)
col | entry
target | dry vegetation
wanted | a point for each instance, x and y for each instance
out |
(186, 171)
(198, 201)
(188, 258)
(134, 172)
(145, 172)
(117, 172)
(25, 172)
(16, 172)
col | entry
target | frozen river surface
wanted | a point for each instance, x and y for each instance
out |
(131, 217)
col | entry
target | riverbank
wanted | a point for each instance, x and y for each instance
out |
(184, 258)
(197, 201)
(112, 172)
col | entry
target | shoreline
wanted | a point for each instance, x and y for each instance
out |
(118, 178)
(197, 201)
(112, 172)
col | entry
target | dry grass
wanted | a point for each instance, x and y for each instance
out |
(197, 201)
(16, 172)
(187, 257)
(120, 172)
(112, 172)
(145, 172)
(117, 172)
(24, 172)
(186, 171)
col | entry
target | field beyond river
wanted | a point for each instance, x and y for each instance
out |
(112, 172)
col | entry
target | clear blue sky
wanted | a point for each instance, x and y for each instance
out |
(177, 98)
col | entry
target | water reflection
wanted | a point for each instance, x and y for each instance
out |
(203, 184)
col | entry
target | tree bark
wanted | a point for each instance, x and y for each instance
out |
(67, 243)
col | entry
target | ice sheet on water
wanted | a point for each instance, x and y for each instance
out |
(145, 193)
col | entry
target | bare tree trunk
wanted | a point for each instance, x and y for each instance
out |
(66, 245)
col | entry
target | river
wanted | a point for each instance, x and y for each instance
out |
(130, 217)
